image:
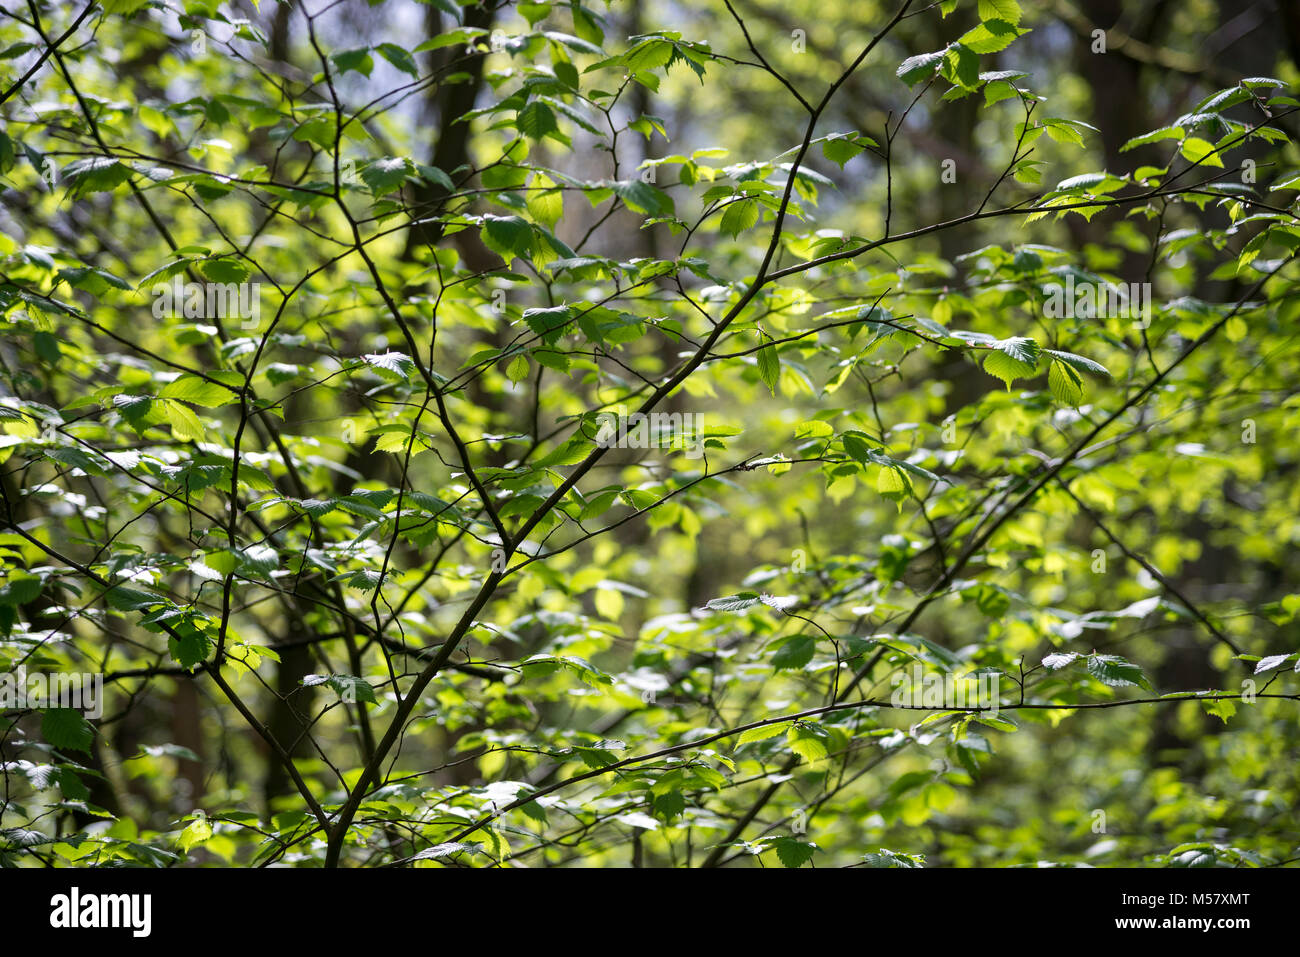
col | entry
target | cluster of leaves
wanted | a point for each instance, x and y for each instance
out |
(366, 531)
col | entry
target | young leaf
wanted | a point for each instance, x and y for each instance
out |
(739, 216)
(1116, 672)
(794, 653)
(769, 367)
(762, 733)
(1065, 383)
(916, 68)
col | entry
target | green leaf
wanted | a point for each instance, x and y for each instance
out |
(1221, 708)
(1012, 359)
(1197, 150)
(962, 66)
(548, 323)
(917, 68)
(436, 176)
(742, 602)
(349, 688)
(198, 831)
(643, 198)
(123, 7)
(1059, 660)
(393, 365)
(670, 805)
(1078, 363)
(224, 270)
(544, 204)
(573, 43)
(808, 741)
(536, 120)
(570, 453)
(794, 653)
(495, 844)
(191, 388)
(762, 733)
(887, 858)
(1019, 348)
(95, 175)
(383, 176)
(185, 425)
(7, 154)
(586, 25)
(66, 729)
(841, 149)
(855, 444)
(769, 367)
(1155, 136)
(1065, 383)
(130, 599)
(517, 370)
(992, 36)
(1063, 131)
(1116, 672)
(14, 51)
(1008, 10)
(190, 649)
(792, 852)
(508, 236)
(398, 57)
(893, 484)
(739, 216)
(993, 721)
(358, 60)
(648, 55)
(1269, 663)
(19, 589)
(94, 281)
